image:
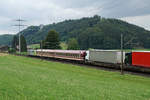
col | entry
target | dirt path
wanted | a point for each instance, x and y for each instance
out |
(3, 54)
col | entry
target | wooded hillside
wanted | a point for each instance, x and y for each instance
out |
(93, 32)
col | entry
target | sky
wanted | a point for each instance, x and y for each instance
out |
(37, 12)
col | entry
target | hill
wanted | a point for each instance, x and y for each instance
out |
(6, 39)
(93, 32)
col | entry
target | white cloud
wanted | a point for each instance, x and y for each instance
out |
(6, 32)
(143, 21)
(38, 12)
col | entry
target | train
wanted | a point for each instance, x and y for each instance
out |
(134, 60)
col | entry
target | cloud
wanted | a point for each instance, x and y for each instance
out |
(125, 8)
(142, 21)
(38, 12)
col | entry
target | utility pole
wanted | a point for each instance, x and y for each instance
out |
(122, 72)
(41, 48)
(122, 46)
(19, 26)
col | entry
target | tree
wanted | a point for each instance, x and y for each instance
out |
(73, 44)
(23, 44)
(15, 42)
(51, 41)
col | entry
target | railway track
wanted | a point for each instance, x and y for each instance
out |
(99, 67)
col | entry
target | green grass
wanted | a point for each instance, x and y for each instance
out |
(129, 50)
(24, 78)
(21, 53)
(63, 45)
(35, 46)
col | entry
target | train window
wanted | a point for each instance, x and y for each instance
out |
(73, 55)
(76, 55)
(61, 54)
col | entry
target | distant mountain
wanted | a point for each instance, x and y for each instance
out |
(93, 32)
(6, 39)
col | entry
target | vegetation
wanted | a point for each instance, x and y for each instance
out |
(73, 44)
(93, 32)
(33, 79)
(15, 42)
(6, 39)
(23, 44)
(51, 41)
(11, 50)
(21, 53)
(35, 46)
(63, 45)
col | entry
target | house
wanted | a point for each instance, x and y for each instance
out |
(4, 48)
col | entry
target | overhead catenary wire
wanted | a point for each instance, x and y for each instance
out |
(19, 25)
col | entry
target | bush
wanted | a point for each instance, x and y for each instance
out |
(11, 50)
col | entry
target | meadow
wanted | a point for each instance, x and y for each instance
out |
(23, 78)
(63, 46)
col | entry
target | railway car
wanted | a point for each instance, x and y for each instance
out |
(31, 52)
(139, 59)
(105, 56)
(78, 55)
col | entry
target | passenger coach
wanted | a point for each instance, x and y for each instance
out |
(64, 54)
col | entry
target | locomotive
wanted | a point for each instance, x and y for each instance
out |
(135, 60)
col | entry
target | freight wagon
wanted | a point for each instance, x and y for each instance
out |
(139, 59)
(109, 58)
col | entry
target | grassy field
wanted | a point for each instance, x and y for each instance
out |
(63, 45)
(35, 46)
(24, 78)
